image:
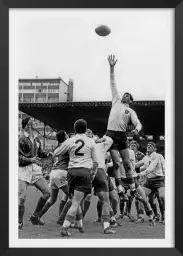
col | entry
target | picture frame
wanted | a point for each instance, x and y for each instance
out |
(4, 127)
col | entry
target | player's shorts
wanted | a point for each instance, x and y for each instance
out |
(100, 182)
(125, 182)
(155, 183)
(58, 178)
(30, 173)
(110, 184)
(79, 179)
(119, 140)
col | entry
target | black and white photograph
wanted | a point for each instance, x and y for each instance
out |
(91, 130)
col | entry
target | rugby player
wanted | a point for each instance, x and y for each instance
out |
(29, 171)
(82, 158)
(154, 171)
(100, 182)
(120, 116)
(58, 177)
(139, 206)
(139, 192)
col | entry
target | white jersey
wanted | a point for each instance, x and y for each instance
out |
(81, 151)
(132, 165)
(121, 114)
(101, 151)
(154, 165)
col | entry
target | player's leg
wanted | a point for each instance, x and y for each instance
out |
(140, 211)
(62, 203)
(143, 198)
(127, 165)
(42, 186)
(104, 199)
(113, 197)
(51, 200)
(161, 201)
(152, 200)
(76, 200)
(22, 193)
(86, 204)
(79, 182)
(117, 173)
(79, 220)
(64, 212)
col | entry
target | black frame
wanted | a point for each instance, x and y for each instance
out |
(4, 126)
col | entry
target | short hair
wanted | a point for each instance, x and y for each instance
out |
(25, 122)
(134, 142)
(131, 97)
(71, 134)
(152, 143)
(60, 136)
(80, 126)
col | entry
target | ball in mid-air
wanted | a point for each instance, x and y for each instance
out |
(102, 30)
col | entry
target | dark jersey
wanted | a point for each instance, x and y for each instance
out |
(61, 162)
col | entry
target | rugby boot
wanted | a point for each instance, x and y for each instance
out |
(98, 220)
(139, 220)
(35, 220)
(64, 232)
(20, 225)
(157, 218)
(108, 231)
(81, 229)
(130, 217)
(60, 222)
(114, 224)
(162, 221)
(152, 222)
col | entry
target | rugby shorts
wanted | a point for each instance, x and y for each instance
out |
(125, 182)
(119, 140)
(30, 173)
(58, 178)
(155, 183)
(79, 179)
(100, 182)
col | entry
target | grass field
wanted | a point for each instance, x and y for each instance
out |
(92, 230)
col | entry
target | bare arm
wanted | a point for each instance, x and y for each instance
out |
(94, 158)
(135, 121)
(139, 163)
(107, 142)
(115, 93)
(62, 149)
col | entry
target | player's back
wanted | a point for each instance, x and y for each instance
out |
(80, 151)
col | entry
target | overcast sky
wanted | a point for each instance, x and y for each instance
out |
(53, 43)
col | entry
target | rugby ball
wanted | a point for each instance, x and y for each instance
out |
(102, 30)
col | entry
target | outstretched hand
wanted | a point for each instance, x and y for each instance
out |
(112, 61)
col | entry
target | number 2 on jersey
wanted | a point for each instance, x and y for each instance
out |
(77, 153)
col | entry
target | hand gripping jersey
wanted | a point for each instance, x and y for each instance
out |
(81, 151)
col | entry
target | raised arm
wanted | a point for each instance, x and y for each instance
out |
(115, 93)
